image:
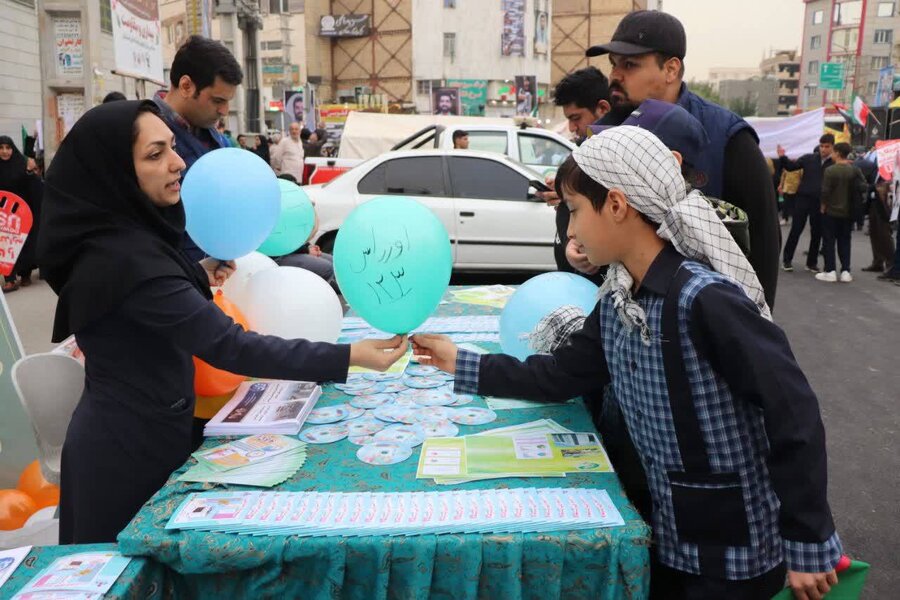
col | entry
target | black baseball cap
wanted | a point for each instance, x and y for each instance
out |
(645, 31)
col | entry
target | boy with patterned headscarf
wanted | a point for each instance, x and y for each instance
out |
(725, 423)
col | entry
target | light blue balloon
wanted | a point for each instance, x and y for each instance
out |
(231, 202)
(393, 261)
(295, 223)
(534, 300)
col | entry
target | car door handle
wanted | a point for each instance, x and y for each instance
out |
(467, 214)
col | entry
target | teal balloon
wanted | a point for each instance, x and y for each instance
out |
(231, 202)
(295, 223)
(392, 259)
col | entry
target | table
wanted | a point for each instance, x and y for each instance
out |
(142, 579)
(603, 563)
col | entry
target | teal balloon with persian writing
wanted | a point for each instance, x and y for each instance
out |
(393, 260)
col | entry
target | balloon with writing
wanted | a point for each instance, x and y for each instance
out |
(392, 260)
(15, 223)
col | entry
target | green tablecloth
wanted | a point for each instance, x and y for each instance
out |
(603, 563)
(142, 579)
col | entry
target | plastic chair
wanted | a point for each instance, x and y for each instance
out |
(49, 387)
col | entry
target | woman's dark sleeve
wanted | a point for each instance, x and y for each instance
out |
(171, 307)
(748, 185)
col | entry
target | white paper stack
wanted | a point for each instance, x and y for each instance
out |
(266, 406)
(318, 514)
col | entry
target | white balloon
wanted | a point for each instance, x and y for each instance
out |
(44, 514)
(235, 288)
(293, 303)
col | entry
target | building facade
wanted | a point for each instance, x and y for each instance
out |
(759, 92)
(719, 74)
(783, 66)
(860, 34)
(580, 24)
(20, 69)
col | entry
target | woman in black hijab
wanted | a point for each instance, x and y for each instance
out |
(139, 309)
(16, 178)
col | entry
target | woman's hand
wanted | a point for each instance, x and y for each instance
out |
(315, 250)
(218, 271)
(435, 350)
(378, 355)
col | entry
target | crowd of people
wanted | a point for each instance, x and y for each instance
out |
(668, 204)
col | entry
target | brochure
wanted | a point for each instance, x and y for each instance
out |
(514, 454)
(88, 573)
(265, 406)
(318, 514)
(10, 561)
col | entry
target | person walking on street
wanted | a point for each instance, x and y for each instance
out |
(880, 230)
(17, 175)
(843, 188)
(287, 156)
(808, 201)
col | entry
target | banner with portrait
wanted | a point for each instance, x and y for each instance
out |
(512, 38)
(294, 106)
(541, 28)
(526, 94)
(473, 95)
(445, 101)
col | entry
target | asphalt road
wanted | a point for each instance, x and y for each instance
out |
(847, 340)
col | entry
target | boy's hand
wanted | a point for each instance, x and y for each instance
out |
(811, 586)
(579, 259)
(435, 350)
(378, 354)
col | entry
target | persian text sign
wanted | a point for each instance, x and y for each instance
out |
(136, 37)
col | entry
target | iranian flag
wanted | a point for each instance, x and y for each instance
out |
(860, 111)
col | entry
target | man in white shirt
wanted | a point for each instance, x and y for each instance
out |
(287, 156)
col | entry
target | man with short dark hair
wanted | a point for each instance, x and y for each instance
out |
(647, 54)
(584, 98)
(460, 140)
(843, 188)
(204, 77)
(807, 204)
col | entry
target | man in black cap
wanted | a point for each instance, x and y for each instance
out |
(647, 54)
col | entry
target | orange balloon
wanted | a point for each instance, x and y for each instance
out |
(32, 482)
(208, 406)
(209, 381)
(15, 508)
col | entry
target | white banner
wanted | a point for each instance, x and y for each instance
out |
(798, 135)
(136, 36)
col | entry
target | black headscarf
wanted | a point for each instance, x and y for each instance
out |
(101, 236)
(13, 172)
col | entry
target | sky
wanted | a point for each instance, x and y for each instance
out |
(735, 33)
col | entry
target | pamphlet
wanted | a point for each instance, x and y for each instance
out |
(88, 573)
(318, 514)
(10, 561)
(265, 406)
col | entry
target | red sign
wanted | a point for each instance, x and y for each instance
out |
(276, 105)
(15, 223)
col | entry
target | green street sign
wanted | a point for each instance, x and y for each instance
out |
(831, 76)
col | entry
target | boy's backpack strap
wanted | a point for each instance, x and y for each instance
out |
(694, 457)
(684, 414)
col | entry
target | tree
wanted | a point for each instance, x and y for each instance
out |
(704, 89)
(744, 107)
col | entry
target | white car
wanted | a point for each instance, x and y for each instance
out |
(486, 201)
